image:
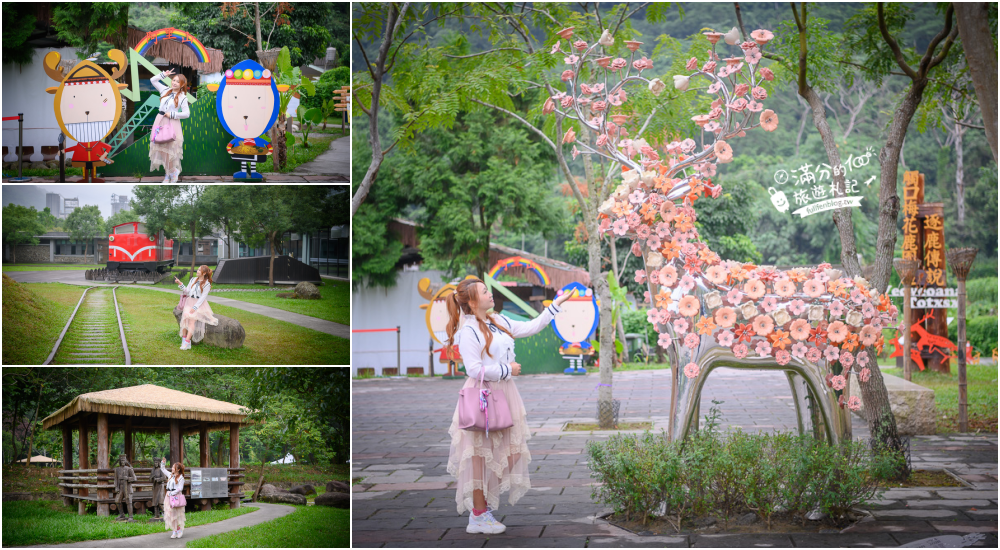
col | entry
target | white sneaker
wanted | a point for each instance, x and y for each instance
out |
(180, 533)
(173, 535)
(485, 524)
(173, 179)
(166, 179)
(186, 344)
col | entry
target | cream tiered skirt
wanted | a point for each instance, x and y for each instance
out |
(202, 316)
(496, 464)
(173, 518)
(167, 155)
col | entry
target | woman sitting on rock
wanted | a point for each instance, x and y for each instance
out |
(195, 316)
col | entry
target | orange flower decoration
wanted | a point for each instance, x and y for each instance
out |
(813, 288)
(725, 316)
(797, 276)
(689, 306)
(754, 288)
(708, 256)
(784, 287)
(671, 250)
(663, 299)
(779, 339)
(837, 332)
(668, 274)
(851, 342)
(705, 325)
(800, 329)
(763, 325)
(716, 274)
(683, 222)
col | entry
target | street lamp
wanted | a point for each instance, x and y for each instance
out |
(907, 270)
(960, 261)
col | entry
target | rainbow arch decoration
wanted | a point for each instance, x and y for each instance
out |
(171, 33)
(523, 262)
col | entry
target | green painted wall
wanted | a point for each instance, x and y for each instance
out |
(204, 145)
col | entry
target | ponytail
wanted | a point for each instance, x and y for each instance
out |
(465, 300)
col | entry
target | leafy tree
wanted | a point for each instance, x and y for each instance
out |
(290, 78)
(19, 23)
(171, 208)
(267, 213)
(47, 220)
(86, 25)
(85, 223)
(20, 225)
(120, 217)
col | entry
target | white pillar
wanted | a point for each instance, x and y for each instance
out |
(52, 251)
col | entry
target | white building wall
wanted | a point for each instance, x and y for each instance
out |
(373, 308)
(24, 92)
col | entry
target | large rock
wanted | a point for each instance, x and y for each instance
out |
(337, 487)
(228, 333)
(270, 493)
(303, 490)
(911, 404)
(337, 500)
(307, 291)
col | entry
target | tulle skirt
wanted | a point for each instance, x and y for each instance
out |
(495, 465)
(173, 518)
(167, 155)
(202, 316)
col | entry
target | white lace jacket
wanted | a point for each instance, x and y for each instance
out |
(471, 341)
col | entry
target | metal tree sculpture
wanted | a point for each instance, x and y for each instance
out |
(810, 323)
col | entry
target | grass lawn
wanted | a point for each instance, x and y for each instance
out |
(33, 316)
(297, 473)
(49, 522)
(335, 305)
(982, 380)
(33, 479)
(306, 527)
(50, 267)
(297, 154)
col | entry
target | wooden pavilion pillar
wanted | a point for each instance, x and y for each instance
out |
(175, 442)
(67, 463)
(129, 447)
(103, 461)
(234, 462)
(84, 449)
(203, 459)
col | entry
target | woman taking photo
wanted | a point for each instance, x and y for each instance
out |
(173, 518)
(198, 313)
(486, 466)
(173, 109)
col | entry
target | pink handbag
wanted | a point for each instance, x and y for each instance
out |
(483, 409)
(164, 133)
(178, 501)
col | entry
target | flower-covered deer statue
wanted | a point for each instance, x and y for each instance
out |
(813, 324)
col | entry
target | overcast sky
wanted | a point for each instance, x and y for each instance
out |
(34, 195)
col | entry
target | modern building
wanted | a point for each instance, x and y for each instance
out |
(69, 205)
(119, 203)
(59, 247)
(53, 201)
(327, 249)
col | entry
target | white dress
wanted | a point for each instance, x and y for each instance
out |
(197, 299)
(168, 155)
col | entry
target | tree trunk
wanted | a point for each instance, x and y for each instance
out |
(802, 125)
(194, 243)
(959, 173)
(270, 270)
(281, 145)
(31, 440)
(256, 24)
(13, 259)
(973, 27)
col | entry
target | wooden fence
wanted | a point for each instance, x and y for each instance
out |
(97, 486)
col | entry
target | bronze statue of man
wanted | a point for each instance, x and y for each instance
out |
(124, 477)
(158, 478)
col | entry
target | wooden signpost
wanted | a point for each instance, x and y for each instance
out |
(343, 104)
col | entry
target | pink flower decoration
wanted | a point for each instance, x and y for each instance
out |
(813, 288)
(687, 283)
(716, 274)
(653, 242)
(643, 231)
(854, 403)
(599, 106)
(784, 287)
(725, 317)
(632, 45)
(709, 67)
(654, 276)
(689, 306)
(734, 297)
(664, 340)
(571, 60)
(681, 326)
(668, 275)
(741, 89)
(799, 350)
(861, 358)
(832, 353)
(762, 36)
(724, 338)
(836, 308)
(738, 104)
(640, 276)
(753, 57)
(838, 382)
(837, 332)
(651, 314)
(754, 288)
(604, 62)
(763, 325)
(760, 94)
(618, 64)
(566, 33)
(799, 329)
(555, 48)
(691, 340)
(796, 307)
(740, 350)
(567, 75)
(769, 304)
(813, 355)
(636, 250)
(763, 349)
(637, 196)
(768, 74)
(691, 370)
(580, 45)
(692, 64)
(782, 357)
(846, 358)
(754, 107)
(620, 227)
(633, 219)
(856, 296)
(864, 375)
(869, 335)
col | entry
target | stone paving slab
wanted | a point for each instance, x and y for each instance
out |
(407, 498)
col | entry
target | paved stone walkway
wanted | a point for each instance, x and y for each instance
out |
(266, 512)
(75, 277)
(407, 499)
(335, 160)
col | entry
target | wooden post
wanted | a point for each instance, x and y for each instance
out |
(234, 462)
(206, 504)
(67, 463)
(129, 447)
(963, 395)
(175, 442)
(84, 449)
(103, 460)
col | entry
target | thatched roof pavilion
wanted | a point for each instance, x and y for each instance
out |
(145, 408)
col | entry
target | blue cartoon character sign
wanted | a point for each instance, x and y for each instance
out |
(577, 321)
(247, 103)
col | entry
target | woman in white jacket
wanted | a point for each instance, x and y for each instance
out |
(197, 311)
(173, 518)
(173, 109)
(485, 466)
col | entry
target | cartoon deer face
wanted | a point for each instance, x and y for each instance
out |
(88, 102)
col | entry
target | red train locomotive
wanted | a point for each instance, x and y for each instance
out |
(131, 248)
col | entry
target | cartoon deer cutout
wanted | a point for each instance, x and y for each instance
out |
(709, 313)
(88, 104)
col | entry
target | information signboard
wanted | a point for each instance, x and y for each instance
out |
(209, 483)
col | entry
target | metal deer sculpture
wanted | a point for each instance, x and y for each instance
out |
(812, 324)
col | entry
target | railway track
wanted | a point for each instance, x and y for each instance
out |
(94, 334)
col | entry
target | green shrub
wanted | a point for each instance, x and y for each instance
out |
(981, 332)
(733, 473)
(982, 297)
(328, 82)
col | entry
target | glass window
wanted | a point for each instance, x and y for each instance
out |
(126, 229)
(142, 228)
